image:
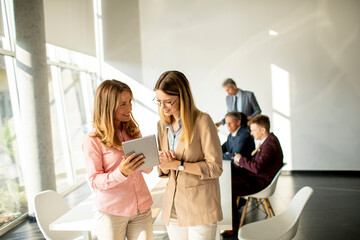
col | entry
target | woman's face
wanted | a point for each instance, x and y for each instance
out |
(169, 104)
(122, 113)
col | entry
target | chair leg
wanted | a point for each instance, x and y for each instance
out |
(257, 202)
(244, 212)
(262, 204)
(267, 208)
(270, 207)
(237, 201)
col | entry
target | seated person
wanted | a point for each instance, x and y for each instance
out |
(239, 139)
(257, 171)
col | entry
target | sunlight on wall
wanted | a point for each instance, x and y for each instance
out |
(282, 129)
(280, 90)
(281, 124)
(272, 33)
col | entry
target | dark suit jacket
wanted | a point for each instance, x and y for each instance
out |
(242, 143)
(265, 163)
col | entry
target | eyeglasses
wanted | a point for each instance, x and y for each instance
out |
(167, 104)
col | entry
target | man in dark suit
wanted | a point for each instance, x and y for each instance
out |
(239, 101)
(239, 140)
(258, 170)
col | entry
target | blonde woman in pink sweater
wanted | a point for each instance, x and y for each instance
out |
(123, 200)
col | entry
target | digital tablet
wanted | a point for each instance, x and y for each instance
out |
(146, 146)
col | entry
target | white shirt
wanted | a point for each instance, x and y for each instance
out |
(261, 142)
(239, 101)
(234, 133)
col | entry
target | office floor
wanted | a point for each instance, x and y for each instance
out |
(333, 211)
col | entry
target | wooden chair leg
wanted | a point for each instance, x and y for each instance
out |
(237, 201)
(244, 212)
(257, 202)
(270, 207)
(267, 208)
(262, 204)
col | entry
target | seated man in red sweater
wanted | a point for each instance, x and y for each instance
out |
(258, 170)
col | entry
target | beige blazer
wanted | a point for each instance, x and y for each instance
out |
(196, 198)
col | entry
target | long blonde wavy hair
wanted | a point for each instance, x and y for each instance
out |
(176, 84)
(107, 100)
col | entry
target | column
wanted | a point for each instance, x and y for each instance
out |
(36, 150)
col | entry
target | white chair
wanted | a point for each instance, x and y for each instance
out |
(262, 198)
(48, 206)
(281, 227)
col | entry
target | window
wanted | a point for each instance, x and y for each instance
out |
(13, 202)
(72, 89)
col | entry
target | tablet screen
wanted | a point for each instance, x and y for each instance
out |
(146, 146)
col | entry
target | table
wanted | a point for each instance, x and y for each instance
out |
(225, 190)
(79, 218)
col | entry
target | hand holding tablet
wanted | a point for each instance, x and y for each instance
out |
(131, 163)
(145, 150)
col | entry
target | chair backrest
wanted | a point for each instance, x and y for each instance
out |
(269, 190)
(294, 211)
(281, 227)
(48, 206)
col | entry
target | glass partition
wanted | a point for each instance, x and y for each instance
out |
(58, 135)
(75, 117)
(12, 196)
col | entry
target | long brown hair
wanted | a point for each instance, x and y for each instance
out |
(176, 84)
(106, 102)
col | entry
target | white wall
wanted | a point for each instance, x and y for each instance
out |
(70, 24)
(121, 28)
(317, 46)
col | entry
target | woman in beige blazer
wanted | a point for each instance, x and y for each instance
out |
(191, 157)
